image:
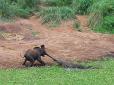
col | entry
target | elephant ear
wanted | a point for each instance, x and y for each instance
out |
(43, 46)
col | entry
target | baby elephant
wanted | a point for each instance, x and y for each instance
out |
(34, 54)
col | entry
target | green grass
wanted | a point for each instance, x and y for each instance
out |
(58, 76)
(102, 16)
(54, 15)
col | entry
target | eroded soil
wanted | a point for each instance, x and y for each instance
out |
(62, 42)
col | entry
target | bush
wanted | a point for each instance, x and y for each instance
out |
(107, 25)
(101, 16)
(81, 6)
(20, 8)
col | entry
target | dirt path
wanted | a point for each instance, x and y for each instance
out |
(62, 43)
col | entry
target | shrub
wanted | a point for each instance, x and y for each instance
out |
(102, 16)
(81, 6)
(4, 8)
(107, 25)
(20, 8)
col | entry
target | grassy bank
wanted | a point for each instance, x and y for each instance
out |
(59, 76)
(101, 13)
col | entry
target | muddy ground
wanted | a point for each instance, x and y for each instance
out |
(62, 42)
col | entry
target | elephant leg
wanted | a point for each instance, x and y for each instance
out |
(24, 62)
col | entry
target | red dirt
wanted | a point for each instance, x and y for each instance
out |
(62, 43)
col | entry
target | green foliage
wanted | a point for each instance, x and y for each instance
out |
(27, 3)
(56, 14)
(81, 6)
(55, 11)
(108, 22)
(25, 13)
(20, 8)
(56, 2)
(107, 25)
(102, 16)
(5, 9)
(101, 12)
